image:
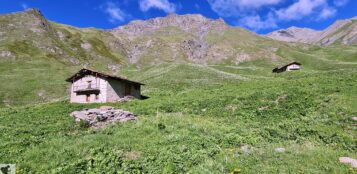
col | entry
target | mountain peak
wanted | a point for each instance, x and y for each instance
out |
(193, 23)
(341, 31)
(294, 34)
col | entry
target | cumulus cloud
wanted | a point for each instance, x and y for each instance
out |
(327, 12)
(164, 5)
(301, 9)
(115, 13)
(255, 15)
(236, 7)
(340, 3)
(256, 23)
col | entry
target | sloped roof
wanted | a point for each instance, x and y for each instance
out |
(291, 63)
(83, 72)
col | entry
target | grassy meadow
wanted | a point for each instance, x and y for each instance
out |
(196, 120)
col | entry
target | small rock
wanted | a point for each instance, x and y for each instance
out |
(345, 160)
(354, 118)
(86, 46)
(280, 150)
(354, 164)
(245, 148)
(126, 99)
(74, 60)
(348, 160)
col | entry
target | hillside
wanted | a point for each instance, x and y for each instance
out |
(37, 55)
(341, 32)
(198, 119)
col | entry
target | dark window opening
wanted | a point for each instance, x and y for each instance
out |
(89, 84)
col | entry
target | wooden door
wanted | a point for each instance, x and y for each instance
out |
(88, 98)
(127, 89)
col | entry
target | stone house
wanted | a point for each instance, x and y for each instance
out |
(89, 86)
(288, 67)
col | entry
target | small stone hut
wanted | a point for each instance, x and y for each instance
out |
(288, 67)
(89, 86)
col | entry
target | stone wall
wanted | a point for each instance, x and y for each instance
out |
(96, 82)
(293, 67)
(116, 90)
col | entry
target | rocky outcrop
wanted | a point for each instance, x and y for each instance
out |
(103, 116)
(193, 23)
(145, 36)
(340, 32)
(294, 34)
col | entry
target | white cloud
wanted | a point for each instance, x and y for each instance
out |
(340, 3)
(255, 22)
(327, 12)
(300, 9)
(24, 6)
(253, 15)
(236, 7)
(163, 5)
(114, 12)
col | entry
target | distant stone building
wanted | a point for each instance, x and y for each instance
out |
(288, 67)
(90, 86)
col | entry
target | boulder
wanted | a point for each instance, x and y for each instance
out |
(103, 116)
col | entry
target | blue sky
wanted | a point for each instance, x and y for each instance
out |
(261, 16)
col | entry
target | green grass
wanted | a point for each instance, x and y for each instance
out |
(195, 121)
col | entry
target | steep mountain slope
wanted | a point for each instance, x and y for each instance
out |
(36, 55)
(341, 32)
(191, 38)
(30, 34)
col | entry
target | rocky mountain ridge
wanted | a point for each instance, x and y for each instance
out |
(341, 32)
(175, 38)
(195, 23)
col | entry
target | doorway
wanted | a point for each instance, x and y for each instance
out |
(127, 90)
(87, 97)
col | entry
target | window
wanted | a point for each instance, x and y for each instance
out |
(89, 84)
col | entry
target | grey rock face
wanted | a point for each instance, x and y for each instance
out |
(99, 118)
(194, 23)
(196, 28)
(294, 34)
(342, 31)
